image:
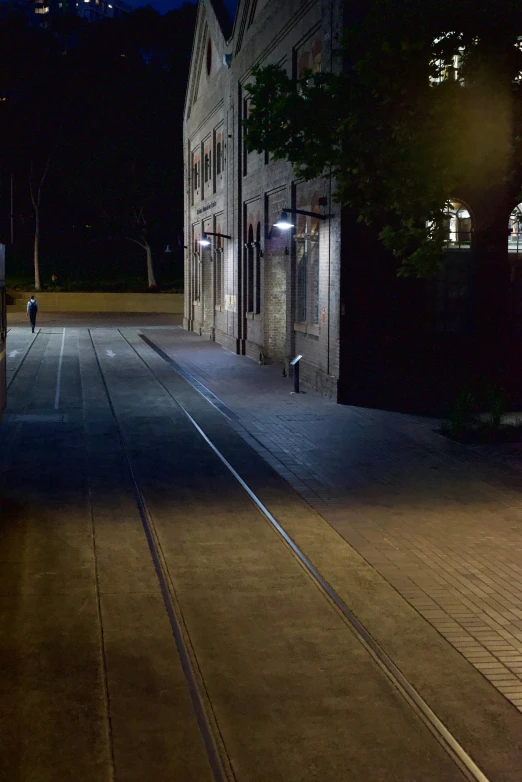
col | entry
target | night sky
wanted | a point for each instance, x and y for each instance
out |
(168, 5)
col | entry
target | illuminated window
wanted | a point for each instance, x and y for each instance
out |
(457, 223)
(307, 240)
(515, 226)
(447, 68)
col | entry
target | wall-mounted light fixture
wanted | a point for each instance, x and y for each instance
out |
(205, 241)
(284, 221)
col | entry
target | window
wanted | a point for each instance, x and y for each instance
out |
(246, 113)
(453, 284)
(515, 228)
(196, 268)
(208, 164)
(250, 270)
(257, 271)
(219, 156)
(209, 56)
(218, 268)
(302, 279)
(457, 223)
(307, 239)
(446, 67)
(195, 172)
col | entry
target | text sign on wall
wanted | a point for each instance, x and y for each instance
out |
(205, 208)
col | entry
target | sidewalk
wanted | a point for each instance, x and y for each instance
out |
(441, 522)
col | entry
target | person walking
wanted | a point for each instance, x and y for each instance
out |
(32, 309)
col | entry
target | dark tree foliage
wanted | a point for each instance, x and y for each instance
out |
(105, 101)
(400, 139)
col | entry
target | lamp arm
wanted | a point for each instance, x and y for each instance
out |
(307, 213)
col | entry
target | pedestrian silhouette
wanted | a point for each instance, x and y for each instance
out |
(32, 309)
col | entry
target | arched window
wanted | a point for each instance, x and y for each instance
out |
(457, 224)
(515, 227)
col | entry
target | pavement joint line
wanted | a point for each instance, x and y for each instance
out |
(423, 710)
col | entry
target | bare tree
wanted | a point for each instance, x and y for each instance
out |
(36, 197)
(142, 229)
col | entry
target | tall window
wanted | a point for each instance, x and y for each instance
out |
(195, 173)
(307, 240)
(453, 284)
(457, 223)
(515, 227)
(219, 156)
(302, 278)
(196, 268)
(218, 268)
(246, 113)
(257, 271)
(250, 270)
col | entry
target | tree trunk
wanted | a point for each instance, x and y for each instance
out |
(150, 269)
(36, 249)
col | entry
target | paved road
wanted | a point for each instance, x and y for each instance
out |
(93, 684)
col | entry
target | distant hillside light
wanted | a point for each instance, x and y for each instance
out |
(284, 222)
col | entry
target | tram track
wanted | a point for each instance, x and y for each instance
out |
(446, 739)
(21, 363)
(207, 722)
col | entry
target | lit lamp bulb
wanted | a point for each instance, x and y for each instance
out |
(283, 222)
(204, 241)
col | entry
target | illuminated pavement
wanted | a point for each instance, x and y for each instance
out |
(92, 687)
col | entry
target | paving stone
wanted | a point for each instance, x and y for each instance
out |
(448, 539)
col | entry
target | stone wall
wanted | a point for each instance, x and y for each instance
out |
(169, 303)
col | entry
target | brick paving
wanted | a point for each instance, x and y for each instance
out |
(441, 522)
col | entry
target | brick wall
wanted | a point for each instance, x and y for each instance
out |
(252, 189)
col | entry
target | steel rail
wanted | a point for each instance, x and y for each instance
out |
(19, 367)
(220, 766)
(447, 740)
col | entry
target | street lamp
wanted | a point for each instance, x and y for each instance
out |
(205, 241)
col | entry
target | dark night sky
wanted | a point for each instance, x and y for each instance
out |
(168, 5)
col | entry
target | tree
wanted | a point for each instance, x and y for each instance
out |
(35, 189)
(425, 102)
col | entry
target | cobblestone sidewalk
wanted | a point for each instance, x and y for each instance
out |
(439, 521)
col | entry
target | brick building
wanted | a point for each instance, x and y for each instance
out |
(326, 289)
(265, 292)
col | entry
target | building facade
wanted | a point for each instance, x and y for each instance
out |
(326, 289)
(259, 290)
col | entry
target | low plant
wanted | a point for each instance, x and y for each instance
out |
(462, 415)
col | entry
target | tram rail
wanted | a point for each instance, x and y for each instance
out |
(208, 725)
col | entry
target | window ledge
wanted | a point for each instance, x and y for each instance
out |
(308, 328)
(253, 315)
